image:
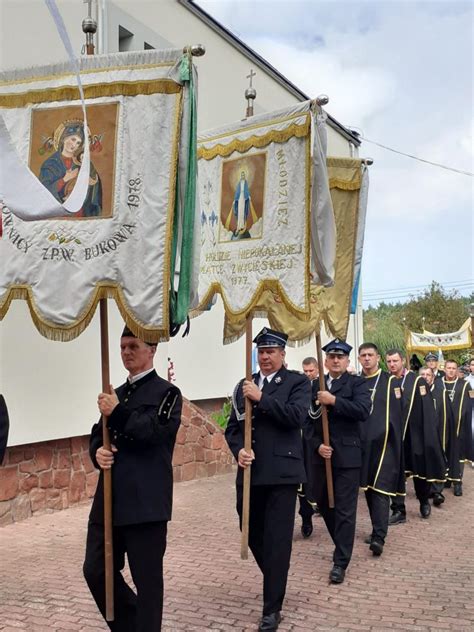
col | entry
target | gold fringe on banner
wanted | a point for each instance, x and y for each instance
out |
(65, 333)
(71, 93)
(273, 136)
(335, 183)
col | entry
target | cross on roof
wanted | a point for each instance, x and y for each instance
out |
(251, 75)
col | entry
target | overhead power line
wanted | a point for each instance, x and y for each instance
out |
(429, 162)
(447, 284)
(462, 288)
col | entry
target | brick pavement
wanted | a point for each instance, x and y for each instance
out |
(423, 581)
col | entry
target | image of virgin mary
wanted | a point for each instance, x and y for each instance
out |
(58, 173)
(242, 210)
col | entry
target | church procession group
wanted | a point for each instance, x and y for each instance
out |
(385, 429)
(273, 225)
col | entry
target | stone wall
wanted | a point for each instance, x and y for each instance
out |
(54, 475)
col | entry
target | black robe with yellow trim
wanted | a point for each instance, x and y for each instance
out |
(422, 449)
(447, 430)
(461, 406)
(382, 454)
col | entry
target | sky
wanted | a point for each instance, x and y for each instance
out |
(400, 73)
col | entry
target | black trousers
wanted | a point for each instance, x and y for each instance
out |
(422, 491)
(306, 509)
(271, 523)
(145, 546)
(340, 521)
(379, 510)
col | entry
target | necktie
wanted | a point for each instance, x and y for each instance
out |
(264, 383)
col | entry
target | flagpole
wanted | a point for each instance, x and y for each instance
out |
(107, 474)
(89, 27)
(244, 553)
(322, 387)
(250, 95)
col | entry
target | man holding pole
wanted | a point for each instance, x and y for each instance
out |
(280, 400)
(143, 417)
(347, 399)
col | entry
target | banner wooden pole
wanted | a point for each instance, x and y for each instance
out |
(107, 474)
(322, 387)
(89, 27)
(244, 553)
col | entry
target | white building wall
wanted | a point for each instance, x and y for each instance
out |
(51, 388)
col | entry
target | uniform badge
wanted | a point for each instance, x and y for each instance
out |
(398, 392)
(471, 394)
(422, 389)
(277, 380)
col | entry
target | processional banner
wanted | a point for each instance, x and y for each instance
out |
(348, 181)
(255, 183)
(428, 341)
(119, 244)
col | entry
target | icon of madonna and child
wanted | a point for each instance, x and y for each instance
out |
(59, 172)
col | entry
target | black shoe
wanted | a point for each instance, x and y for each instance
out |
(397, 517)
(457, 489)
(376, 547)
(438, 499)
(425, 509)
(269, 622)
(306, 528)
(368, 539)
(337, 574)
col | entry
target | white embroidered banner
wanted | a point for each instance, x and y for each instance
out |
(255, 180)
(428, 341)
(119, 243)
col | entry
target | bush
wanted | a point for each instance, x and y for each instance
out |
(221, 417)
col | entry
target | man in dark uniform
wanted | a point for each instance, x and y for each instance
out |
(348, 402)
(4, 426)
(422, 450)
(432, 361)
(307, 507)
(280, 400)
(458, 397)
(446, 431)
(143, 417)
(382, 473)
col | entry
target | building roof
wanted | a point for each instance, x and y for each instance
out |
(246, 50)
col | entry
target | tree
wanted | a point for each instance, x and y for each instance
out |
(383, 326)
(436, 310)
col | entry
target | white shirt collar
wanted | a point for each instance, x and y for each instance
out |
(262, 377)
(331, 379)
(135, 378)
